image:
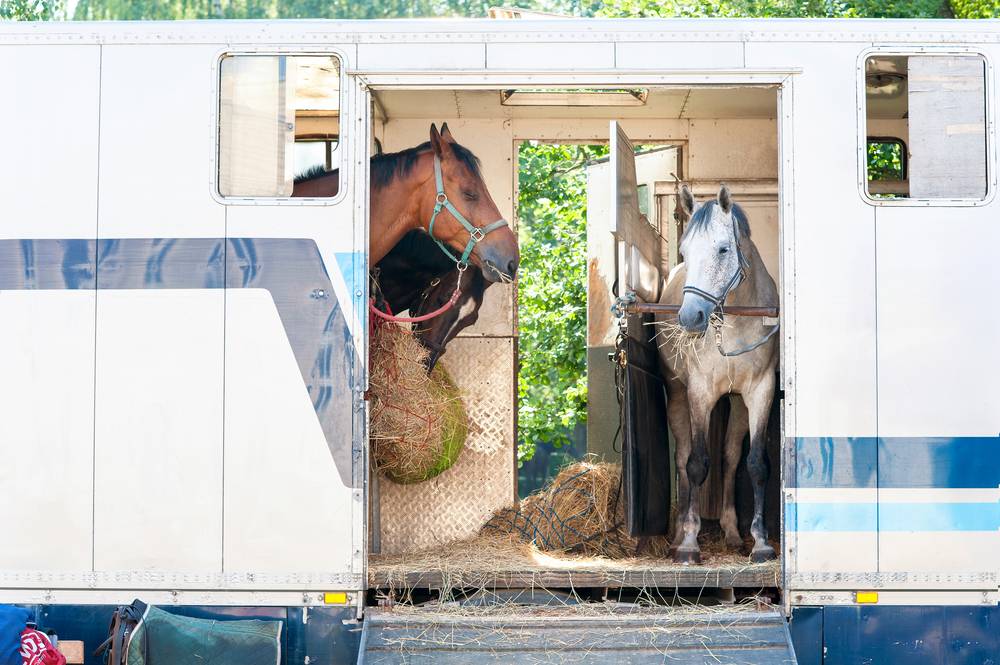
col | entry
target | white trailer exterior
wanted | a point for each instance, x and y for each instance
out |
(182, 373)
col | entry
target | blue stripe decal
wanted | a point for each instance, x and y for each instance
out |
(291, 270)
(835, 461)
(887, 516)
(956, 462)
(897, 462)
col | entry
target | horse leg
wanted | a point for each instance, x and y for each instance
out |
(680, 425)
(737, 428)
(759, 405)
(697, 470)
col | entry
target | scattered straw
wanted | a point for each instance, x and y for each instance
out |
(582, 511)
(418, 424)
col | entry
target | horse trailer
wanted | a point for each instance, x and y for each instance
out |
(184, 344)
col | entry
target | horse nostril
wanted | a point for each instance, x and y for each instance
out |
(699, 316)
(512, 267)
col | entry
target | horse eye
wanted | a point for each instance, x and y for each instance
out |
(723, 250)
(470, 196)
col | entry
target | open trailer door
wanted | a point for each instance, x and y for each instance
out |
(626, 408)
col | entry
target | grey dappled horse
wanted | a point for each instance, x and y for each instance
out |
(721, 267)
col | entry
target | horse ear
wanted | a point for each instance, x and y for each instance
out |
(438, 142)
(446, 133)
(687, 200)
(725, 200)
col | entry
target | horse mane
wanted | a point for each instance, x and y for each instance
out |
(391, 165)
(312, 173)
(703, 216)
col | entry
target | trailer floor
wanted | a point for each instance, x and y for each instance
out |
(491, 563)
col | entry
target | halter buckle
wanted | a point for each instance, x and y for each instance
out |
(441, 198)
(477, 234)
(462, 266)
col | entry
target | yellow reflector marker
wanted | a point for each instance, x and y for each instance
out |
(867, 597)
(335, 598)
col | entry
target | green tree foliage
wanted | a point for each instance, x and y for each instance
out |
(275, 9)
(885, 161)
(31, 10)
(976, 8)
(777, 8)
(552, 292)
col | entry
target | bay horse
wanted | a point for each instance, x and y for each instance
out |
(416, 276)
(436, 186)
(721, 267)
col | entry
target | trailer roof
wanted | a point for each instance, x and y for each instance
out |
(483, 30)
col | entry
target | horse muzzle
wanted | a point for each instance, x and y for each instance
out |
(694, 314)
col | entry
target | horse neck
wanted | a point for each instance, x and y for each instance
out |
(395, 210)
(758, 288)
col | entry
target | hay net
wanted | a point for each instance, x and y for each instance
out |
(417, 424)
(582, 512)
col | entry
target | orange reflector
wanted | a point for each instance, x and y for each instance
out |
(335, 598)
(867, 597)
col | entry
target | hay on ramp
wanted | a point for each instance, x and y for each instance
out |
(581, 512)
(418, 424)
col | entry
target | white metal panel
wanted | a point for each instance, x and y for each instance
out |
(48, 172)
(937, 351)
(675, 55)
(286, 508)
(427, 57)
(47, 429)
(638, 243)
(158, 450)
(157, 123)
(542, 56)
(834, 248)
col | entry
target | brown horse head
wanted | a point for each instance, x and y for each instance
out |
(495, 252)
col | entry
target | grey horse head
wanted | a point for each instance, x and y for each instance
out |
(712, 249)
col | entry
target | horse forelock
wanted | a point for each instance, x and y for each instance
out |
(388, 166)
(703, 215)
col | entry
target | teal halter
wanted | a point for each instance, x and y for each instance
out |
(476, 233)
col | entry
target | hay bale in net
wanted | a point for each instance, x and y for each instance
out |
(581, 511)
(418, 424)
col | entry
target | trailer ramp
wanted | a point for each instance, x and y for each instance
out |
(716, 635)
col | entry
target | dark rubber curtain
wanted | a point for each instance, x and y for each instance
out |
(645, 448)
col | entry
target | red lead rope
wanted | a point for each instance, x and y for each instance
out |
(417, 319)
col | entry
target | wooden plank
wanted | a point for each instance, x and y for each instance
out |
(733, 310)
(749, 576)
(72, 650)
(947, 122)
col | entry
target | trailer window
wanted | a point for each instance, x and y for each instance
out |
(937, 104)
(279, 119)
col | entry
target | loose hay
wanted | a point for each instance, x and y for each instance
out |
(582, 512)
(418, 424)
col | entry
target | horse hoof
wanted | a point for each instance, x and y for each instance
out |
(762, 553)
(686, 556)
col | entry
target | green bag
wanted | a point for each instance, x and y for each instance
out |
(162, 638)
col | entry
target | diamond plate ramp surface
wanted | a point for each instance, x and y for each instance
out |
(576, 635)
(456, 503)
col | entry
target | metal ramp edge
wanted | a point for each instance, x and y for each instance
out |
(519, 635)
